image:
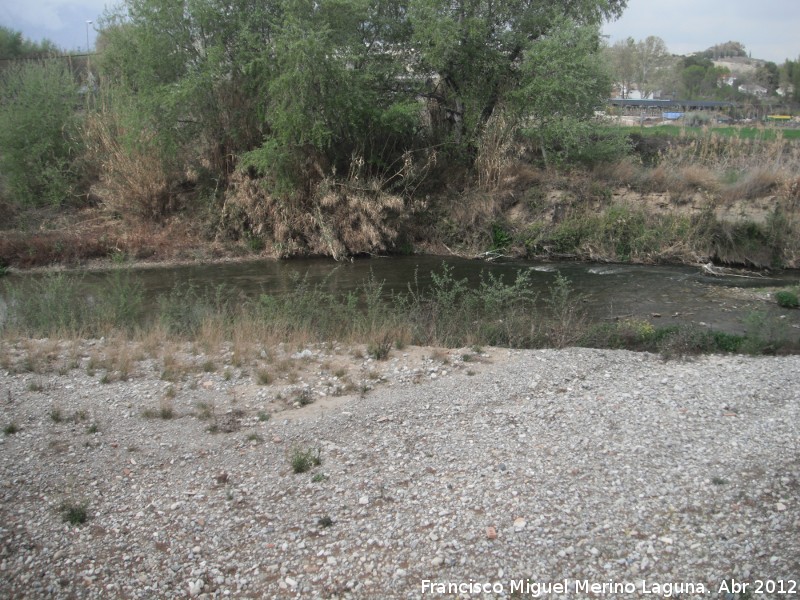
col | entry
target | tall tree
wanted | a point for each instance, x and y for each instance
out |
(472, 48)
(622, 60)
(652, 57)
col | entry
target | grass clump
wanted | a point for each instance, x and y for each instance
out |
(164, 412)
(303, 461)
(74, 513)
(11, 429)
(263, 377)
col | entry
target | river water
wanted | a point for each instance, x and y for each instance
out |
(660, 294)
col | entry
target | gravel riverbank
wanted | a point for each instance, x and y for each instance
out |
(482, 469)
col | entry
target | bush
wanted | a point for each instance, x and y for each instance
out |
(787, 299)
(38, 102)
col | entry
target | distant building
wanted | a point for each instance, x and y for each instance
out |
(753, 89)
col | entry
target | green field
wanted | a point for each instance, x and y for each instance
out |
(749, 133)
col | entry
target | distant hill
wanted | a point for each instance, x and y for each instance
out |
(739, 65)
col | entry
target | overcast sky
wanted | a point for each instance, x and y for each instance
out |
(769, 29)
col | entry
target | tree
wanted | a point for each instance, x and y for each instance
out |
(563, 81)
(38, 101)
(652, 57)
(641, 65)
(295, 89)
(13, 46)
(472, 49)
(768, 76)
(622, 59)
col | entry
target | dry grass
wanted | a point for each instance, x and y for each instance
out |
(132, 180)
(755, 183)
(338, 218)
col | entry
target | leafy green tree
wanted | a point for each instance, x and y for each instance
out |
(563, 81)
(472, 49)
(13, 46)
(38, 119)
(622, 60)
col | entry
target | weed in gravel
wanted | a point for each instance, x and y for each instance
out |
(263, 377)
(304, 460)
(93, 428)
(74, 513)
(263, 416)
(105, 378)
(35, 386)
(255, 438)
(209, 366)
(170, 392)
(325, 521)
(319, 478)
(165, 412)
(11, 429)
(205, 411)
(379, 349)
(716, 480)
(227, 375)
(56, 416)
(79, 416)
(304, 397)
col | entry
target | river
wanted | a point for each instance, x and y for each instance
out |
(660, 294)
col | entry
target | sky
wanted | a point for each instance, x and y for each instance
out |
(769, 29)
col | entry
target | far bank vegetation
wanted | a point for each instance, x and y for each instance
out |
(362, 127)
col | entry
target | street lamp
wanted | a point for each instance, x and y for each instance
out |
(87, 36)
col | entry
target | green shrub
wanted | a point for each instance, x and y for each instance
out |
(38, 102)
(304, 460)
(74, 513)
(787, 299)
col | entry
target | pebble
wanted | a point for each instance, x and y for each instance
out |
(630, 473)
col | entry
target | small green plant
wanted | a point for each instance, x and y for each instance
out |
(380, 349)
(205, 411)
(227, 375)
(319, 477)
(93, 428)
(325, 521)
(787, 299)
(263, 416)
(263, 377)
(35, 386)
(254, 437)
(170, 392)
(105, 378)
(165, 412)
(304, 397)
(11, 429)
(304, 460)
(716, 480)
(209, 366)
(74, 513)
(56, 415)
(79, 416)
